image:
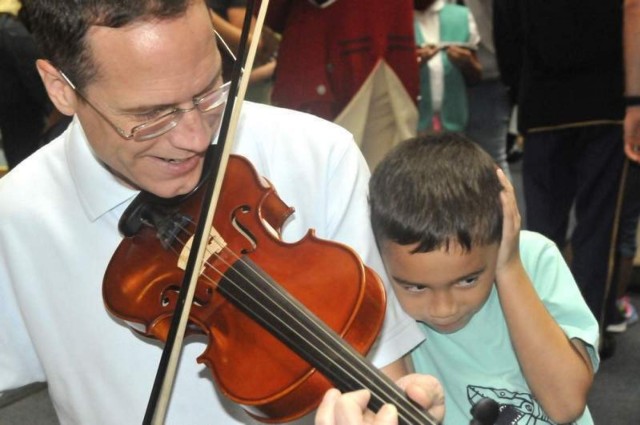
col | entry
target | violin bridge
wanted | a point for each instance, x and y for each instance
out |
(215, 245)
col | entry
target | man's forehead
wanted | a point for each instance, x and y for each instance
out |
(146, 33)
(151, 42)
(148, 36)
(150, 64)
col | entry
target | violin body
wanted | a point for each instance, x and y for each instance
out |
(251, 281)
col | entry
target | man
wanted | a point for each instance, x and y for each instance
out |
(564, 62)
(143, 82)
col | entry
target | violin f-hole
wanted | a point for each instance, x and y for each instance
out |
(236, 221)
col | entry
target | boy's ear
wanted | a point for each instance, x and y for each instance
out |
(61, 94)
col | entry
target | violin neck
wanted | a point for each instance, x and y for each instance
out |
(313, 340)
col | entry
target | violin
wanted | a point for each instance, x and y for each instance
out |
(274, 313)
(285, 322)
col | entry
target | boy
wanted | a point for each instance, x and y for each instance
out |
(502, 315)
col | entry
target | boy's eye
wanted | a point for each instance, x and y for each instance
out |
(414, 288)
(469, 281)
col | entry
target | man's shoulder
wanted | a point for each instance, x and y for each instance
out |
(270, 131)
(33, 178)
(258, 114)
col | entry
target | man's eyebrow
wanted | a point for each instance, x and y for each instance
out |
(145, 109)
(141, 109)
(212, 83)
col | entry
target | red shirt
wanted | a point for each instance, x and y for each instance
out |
(327, 53)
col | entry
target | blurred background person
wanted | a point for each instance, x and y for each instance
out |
(489, 103)
(564, 61)
(227, 17)
(447, 39)
(352, 62)
(24, 105)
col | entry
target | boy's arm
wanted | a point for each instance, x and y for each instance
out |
(557, 369)
(399, 368)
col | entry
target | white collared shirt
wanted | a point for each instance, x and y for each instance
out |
(58, 230)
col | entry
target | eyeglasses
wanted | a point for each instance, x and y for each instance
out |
(210, 104)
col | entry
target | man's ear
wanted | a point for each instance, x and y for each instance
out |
(61, 94)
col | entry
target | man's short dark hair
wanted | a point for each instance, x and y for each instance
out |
(60, 27)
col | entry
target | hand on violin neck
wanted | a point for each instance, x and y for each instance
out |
(351, 408)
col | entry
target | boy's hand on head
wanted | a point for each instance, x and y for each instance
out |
(509, 252)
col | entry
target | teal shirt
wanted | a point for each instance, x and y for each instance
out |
(479, 361)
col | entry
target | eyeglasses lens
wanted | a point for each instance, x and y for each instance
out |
(211, 105)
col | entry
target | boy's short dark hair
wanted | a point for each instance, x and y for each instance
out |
(434, 190)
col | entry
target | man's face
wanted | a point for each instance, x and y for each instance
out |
(145, 70)
(443, 289)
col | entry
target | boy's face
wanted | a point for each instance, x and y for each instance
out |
(442, 289)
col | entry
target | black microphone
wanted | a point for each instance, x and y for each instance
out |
(485, 412)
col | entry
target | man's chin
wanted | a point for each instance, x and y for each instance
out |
(169, 188)
(170, 193)
(166, 188)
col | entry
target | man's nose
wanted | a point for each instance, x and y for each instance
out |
(193, 132)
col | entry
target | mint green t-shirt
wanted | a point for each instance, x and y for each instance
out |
(479, 361)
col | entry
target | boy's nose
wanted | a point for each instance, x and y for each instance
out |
(442, 304)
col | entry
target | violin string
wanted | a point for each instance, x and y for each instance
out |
(348, 358)
(355, 373)
(343, 349)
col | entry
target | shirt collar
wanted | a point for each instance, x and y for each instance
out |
(98, 189)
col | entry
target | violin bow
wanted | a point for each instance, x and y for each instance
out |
(219, 153)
